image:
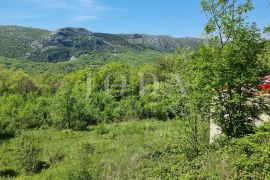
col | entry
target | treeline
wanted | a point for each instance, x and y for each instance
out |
(83, 98)
(135, 57)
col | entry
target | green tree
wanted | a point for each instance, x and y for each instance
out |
(73, 109)
(229, 68)
(35, 112)
(267, 29)
(65, 103)
(196, 105)
(117, 79)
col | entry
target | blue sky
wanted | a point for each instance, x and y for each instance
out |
(177, 18)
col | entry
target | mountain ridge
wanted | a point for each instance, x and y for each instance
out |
(65, 43)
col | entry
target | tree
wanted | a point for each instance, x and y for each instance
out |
(267, 29)
(117, 79)
(73, 109)
(228, 67)
(224, 17)
(65, 104)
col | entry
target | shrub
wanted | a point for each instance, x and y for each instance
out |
(252, 154)
(28, 151)
(164, 104)
(6, 134)
(56, 156)
(80, 126)
(8, 173)
(101, 129)
(87, 148)
(81, 173)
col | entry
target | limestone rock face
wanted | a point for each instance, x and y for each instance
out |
(70, 37)
(162, 43)
(64, 43)
(70, 31)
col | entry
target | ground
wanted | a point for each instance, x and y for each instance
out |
(116, 148)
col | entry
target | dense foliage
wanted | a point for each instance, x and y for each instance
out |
(42, 100)
(93, 60)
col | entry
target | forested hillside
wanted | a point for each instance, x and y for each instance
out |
(68, 43)
(97, 59)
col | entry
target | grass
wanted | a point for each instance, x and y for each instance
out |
(115, 155)
(146, 149)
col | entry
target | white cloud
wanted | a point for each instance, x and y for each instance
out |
(85, 17)
(77, 10)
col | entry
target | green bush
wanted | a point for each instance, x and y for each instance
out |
(8, 173)
(28, 154)
(164, 103)
(87, 148)
(82, 169)
(101, 129)
(56, 156)
(79, 173)
(252, 154)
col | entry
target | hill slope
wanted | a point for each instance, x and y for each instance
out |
(16, 41)
(65, 43)
(161, 43)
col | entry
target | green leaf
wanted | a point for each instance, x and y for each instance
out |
(222, 2)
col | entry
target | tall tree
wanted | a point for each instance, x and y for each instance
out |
(228, 67)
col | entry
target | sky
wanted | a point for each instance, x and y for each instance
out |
(178, 18)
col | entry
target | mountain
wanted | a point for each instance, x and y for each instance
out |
(66, 43)
(161, 43)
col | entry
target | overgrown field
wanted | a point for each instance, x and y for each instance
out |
(147, 149)
(107, 151)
